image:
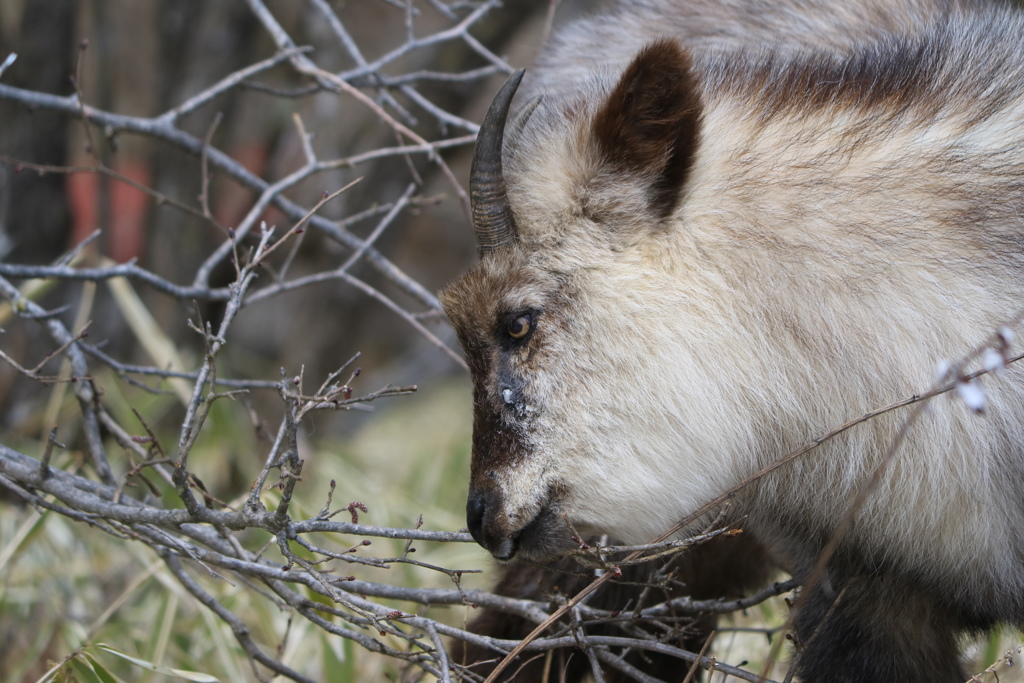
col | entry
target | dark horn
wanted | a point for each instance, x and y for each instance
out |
(492, 217)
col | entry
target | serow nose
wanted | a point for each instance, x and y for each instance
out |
(480, 518)
(475, 507)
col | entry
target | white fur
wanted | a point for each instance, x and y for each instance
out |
(822, 262)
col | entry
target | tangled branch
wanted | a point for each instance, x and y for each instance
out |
(142, 484)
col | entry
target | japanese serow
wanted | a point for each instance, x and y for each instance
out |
(712, 232)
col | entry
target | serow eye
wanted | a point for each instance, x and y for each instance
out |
(520, 327)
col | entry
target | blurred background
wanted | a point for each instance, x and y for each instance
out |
(429, 66)
(403, 457)
(143, 58)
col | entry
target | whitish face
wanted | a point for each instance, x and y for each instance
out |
(593, 397)
(582, 423)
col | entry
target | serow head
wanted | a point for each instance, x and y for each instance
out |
(549, 319)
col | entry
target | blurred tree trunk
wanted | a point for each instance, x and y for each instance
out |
(34, 219)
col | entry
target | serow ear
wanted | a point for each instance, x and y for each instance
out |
(650, 123)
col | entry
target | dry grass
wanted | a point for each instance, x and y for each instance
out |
(66, 586)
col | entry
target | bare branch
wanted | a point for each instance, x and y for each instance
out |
(319, 570)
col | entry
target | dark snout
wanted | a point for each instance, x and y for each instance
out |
(542, 538)
(481, 518)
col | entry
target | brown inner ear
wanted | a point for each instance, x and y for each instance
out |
(650, 123)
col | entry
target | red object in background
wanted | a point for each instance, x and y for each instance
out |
(124, 238)
(233, 201)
